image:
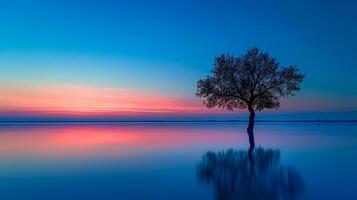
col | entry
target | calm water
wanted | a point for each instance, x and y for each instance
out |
(177, 161)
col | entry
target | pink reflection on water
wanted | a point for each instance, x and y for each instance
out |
(82, 140)
(90, 140)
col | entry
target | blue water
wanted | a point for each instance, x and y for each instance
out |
(178, 161)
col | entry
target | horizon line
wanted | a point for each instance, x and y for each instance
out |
(172, 121)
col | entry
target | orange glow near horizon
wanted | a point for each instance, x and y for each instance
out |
(76, 101)
(88, 101)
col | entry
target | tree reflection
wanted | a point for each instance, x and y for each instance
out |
(256, 174)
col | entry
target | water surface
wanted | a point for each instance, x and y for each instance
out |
(177, 161)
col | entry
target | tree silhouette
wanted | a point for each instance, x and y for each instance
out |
(239, 175)
(253, 81)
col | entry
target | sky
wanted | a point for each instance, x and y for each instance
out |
(142, 59)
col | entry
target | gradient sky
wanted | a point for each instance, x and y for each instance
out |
(143, 58)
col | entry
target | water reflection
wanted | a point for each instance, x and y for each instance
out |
(235, 174)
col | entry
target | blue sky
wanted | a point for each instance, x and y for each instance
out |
(166, 46)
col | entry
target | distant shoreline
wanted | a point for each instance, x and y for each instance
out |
(175, 121)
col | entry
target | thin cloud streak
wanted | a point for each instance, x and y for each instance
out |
(65, 101)
(90, 101)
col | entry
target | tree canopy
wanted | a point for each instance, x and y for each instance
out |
(254, 80)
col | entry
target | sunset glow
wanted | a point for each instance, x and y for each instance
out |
(66, 101)
(173, 100)
(91, 101)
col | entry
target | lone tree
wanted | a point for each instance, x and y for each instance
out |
(253, 81)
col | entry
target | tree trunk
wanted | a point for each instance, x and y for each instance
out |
(251, 126)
